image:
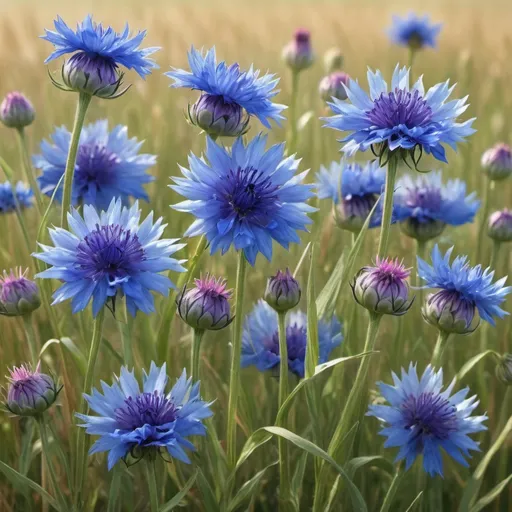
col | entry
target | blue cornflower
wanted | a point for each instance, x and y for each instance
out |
(260, 341)
(414, 31)
(22, 195)
(97, 54)
(401, 119)
(132, 421)
(463, 288)
(354, 189)
(425, 205)
(108, 165)
(245, 197)
(423, 420)
(110, 254)
(226, 92)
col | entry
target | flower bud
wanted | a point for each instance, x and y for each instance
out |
(283, 291)
(450, 312)
(217, 117)
(504, 369)
(332, 86)
(16, 111)
(333, 60)
(422, 230)
(206, 306)
(30, 393)
(500, 226)
(383, 289)
(18, 295)
(497, 162)
(351, 212)
(298, 54)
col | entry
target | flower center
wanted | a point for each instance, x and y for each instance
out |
(145, 409)
(429, 415)
(109, 251)
(94, 165)
(400, 107)
(295, 341)
(359, 206)
(424, 197)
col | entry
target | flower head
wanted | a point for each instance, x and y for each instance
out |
(354, 189)
(18, 295)
(499, 227)
(383, 289)
(497, 162)
(414, 31)
(30, 393)
(206, 306)
(110, 254)
(298, 54)
(283, 291)
(135, 421)
(242, 90)
(401, 119)
(470, 288)
(504, 369)
(333, 86)
(108, 165)
(333, 60)
(98, 53)
(424, 206)
(245, 197)
(10, 199)
(421, 419)
(260, 342)
(16, 111)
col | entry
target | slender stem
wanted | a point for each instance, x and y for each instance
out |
(81, 450)
(484, 214)
(393, 488)
(114, 488)
(421, 249)
(27, 169)
(504, 414)
(81, 110)
(494, 254)
(292, 112)
(170, 308)
(125, 329)
(437, 356)
(31, 339)
(388, 206)
(236, 350)
(412, 57)
(284, 464)
(151, 479)
(197, 337)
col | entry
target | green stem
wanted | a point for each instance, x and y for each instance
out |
(27, 169)
(292, 113)
(494, 254)
(125, 329)
(412, 57)
(421, 249)
(31, 339)
(151, 479)
(388, 206)
(284, 464)
(504, 414)
(393, 488)
(81, 450)
(484, 214)
(81, 110)
(170, 308)
(197, 337)
(236, 350)
(437, 356)
(113, 493)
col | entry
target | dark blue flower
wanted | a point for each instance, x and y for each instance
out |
(401, 118)
(243, 89)
(414, 31)
(472, 286)
(108, 165)
(135, 421)
(10, 199)
(423, 420)
(260, 342)
(110, 254)
(245, 197)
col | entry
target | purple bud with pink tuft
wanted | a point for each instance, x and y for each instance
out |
(298, 54)
(283, 291)
(497, 162)
(16, 111)
(333, 86)
(500, 226)
(18, 295)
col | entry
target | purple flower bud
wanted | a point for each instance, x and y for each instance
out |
(422, 230)
(352, 211)
(18, 295)
(450, 312)
(283, 291)
(217, 117)
(504, 369)
(16, 111)
(333, 60)
(383, 289)
(298, 54)
(332, 86)
(497, 162)
(500, 226)
(206, 306)
(30, 392)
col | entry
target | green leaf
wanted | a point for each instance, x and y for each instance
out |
(78, 356)
(209, 500)
(312, 349)
(257, 439)
(304, 120)
(247, 491)
(358, 502)
(27, 434)
(414, 501)
(491, 495)
(298, 477)
(22, 482)
(474, 361)
(373, 460)
(176, 500)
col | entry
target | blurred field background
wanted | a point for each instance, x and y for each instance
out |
(474, 50)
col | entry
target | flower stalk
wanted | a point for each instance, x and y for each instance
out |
(388, 206)
(197, 337)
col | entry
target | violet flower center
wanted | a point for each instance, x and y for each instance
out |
(145, 409)
(94, 165)
(296, 340)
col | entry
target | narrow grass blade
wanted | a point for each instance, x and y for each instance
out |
(176, 500)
